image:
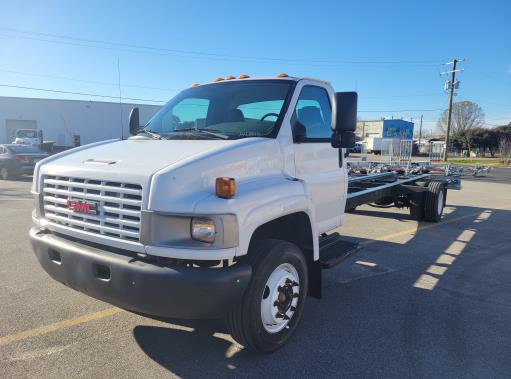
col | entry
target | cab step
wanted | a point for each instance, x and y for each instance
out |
(333, 250)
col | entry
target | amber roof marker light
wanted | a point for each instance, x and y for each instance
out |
(225, 188)
(195, 84)
(243, 76)
(218, 79)
(282, 75)
(230, 77)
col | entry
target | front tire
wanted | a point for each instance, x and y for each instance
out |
(273, 303)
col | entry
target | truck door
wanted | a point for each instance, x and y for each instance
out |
(316, 161)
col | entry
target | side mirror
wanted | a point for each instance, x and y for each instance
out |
(343, 139)
(345, 111)
(299, 132)
(134, 121)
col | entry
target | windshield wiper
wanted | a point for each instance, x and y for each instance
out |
(210, 132)
(153, 135)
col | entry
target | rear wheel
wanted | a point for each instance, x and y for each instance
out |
(434, 202)
(273, 303)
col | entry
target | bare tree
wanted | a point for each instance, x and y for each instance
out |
(505, 148)
(466, 116)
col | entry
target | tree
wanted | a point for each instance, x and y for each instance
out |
(466, 116)
(484, 139)
(505, 148)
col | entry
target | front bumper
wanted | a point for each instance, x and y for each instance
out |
(142, 287)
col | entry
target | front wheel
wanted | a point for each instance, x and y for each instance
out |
(273, 303)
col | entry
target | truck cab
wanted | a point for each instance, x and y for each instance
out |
(215, 208)
(30, 137)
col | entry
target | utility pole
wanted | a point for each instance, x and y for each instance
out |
(451, 85)
(420, 133)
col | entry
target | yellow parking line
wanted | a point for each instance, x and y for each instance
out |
(112, 311)
(58, 325)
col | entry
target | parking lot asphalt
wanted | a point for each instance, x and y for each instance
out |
(419, 300)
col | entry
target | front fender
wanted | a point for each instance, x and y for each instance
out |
(260, 201)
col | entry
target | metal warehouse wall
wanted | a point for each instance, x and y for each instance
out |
(61, 119)
(372, 128)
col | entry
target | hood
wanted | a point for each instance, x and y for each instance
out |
(130, 160)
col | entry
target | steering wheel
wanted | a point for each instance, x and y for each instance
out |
(268, 115)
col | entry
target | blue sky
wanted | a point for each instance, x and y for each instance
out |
(391, 52)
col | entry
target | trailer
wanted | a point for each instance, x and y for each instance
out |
(392, 188)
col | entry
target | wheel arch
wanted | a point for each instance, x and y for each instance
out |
(296, 228)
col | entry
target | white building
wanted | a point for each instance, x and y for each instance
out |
(60, 120)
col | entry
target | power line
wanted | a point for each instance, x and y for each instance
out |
(163, 101)
(86, 42)
(86, 81)
(80, 93)
(403, 110)
(172, 89)
(403, 96)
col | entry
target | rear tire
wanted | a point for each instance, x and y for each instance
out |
(434, 202)
(273, 303)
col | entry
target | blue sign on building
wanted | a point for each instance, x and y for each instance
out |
(397, 129)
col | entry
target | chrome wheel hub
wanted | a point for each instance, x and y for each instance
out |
(440, 204)
(280, 298)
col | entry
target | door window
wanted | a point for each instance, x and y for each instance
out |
(314, 112)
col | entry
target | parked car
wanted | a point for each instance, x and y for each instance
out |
(356, 149)
(18, 159)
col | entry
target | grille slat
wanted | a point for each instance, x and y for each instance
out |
(99, 187)
(118, 204)
(91, 196)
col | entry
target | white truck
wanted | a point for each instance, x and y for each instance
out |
(30, 137)
(219, 207)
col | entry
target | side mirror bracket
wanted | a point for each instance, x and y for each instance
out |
(341, 140)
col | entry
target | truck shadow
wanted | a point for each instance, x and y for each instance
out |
(436, 304)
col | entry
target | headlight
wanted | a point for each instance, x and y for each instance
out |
(203, 229)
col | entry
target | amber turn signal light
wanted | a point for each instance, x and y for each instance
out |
(225, 187)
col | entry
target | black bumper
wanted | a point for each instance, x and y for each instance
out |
(160, 291)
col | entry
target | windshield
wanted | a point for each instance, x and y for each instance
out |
(27, 133)
(24, 149)
(225, 110)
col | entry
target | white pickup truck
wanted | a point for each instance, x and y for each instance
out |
(218, 207)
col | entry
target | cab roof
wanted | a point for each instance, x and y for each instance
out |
(284, 78)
